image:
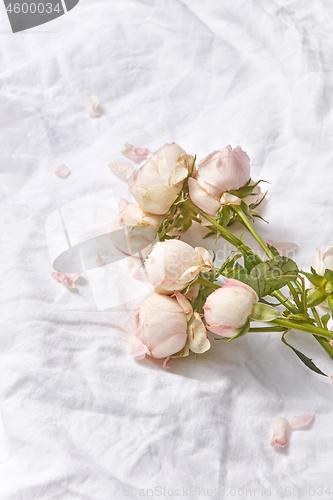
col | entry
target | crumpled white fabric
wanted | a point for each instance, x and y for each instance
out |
(79, 417)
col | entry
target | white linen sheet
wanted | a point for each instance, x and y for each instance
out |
(80, 419)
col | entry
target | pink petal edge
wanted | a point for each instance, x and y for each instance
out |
(134, 153)
(301, 421)
(280, 428)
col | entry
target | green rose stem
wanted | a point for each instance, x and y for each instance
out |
(263, 245)
(324, 343)
(208, 283)
(233, 240)
(315, 330)
(227, 235)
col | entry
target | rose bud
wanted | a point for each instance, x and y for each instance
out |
(228, 308)
(224, 170)
(161, 328)
(173, 264)
(156, 185)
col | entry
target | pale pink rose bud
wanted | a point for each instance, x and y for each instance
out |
(173, 264)
(157, 183)
(161, 328)
(280, 432)
(224, 170)
(228, 308)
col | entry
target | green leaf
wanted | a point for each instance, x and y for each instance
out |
(258, 215)
(272, 275)
(263, 312)
(245, 190)
(315, 298)
(239, 274)
(250, 259)
(241, 332)
(273, 250)
(209, 234)
(328, 274)
(324, 319)
(229, 262)
(225, 216)
(307, 361)
(255, 205)
(314, 278)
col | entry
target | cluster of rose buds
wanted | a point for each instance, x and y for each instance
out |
(166, 325)
(189, 301)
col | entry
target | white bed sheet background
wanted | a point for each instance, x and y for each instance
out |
(81, 419)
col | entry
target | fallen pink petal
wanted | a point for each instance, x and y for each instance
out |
(94, 111)
(122, 169)
(134, 153)
(62, 172)
(100, 261)
(280, 430)
(301, 421)
(285, 248)
(66, 279)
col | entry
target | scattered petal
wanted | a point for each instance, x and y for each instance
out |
(166, 361)
(122, 169)
(283, 247)
(62, 172)
(100, 261)
(301, 421)
(93, 111)
(280, 428)
(134, 153)
(66, 279)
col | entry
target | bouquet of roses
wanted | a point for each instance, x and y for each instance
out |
(192, 296)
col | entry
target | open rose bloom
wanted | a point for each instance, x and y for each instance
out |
(156, 185)
(173, 264)
(228, 308)
(220, 172)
